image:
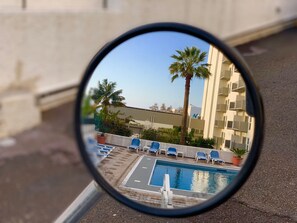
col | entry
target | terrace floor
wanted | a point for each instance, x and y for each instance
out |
(118, 167)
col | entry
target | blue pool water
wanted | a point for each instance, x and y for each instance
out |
(192, 177)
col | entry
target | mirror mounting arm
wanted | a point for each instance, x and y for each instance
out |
(82, 204)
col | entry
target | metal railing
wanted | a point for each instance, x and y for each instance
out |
(219, 123)
(238, 86)
(223, 91)
(240, 126)
(225, 75)
(238, 104)
(221, 107)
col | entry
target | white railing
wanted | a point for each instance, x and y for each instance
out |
(166, 193)
(188, 151)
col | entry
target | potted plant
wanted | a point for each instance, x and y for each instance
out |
(101, 138)
(238, 154)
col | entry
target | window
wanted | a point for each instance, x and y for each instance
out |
(243, 140)
(250, 123)
(227, 143)
(229, 124)
(247, 143)
(231, 105)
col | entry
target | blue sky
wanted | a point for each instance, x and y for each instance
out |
(140, 67)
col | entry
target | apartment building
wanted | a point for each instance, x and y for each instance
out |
(224, 105)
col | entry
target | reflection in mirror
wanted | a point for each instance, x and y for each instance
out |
(164, 120)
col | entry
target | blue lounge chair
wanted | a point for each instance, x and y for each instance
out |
(104, 147)
(155, 147)
(201, 156)
(135, 144)
(90, 141)
(171, 151)
(95, 154)
(214, 156)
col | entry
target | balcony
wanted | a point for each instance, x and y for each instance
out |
(238, 145)
(225, 75)
(223, 91)
(221, 107)
(240, 126)
(238, 86)
(219, 124)
(218, 140)
(238, 142)
(238, 105)
(226, 61)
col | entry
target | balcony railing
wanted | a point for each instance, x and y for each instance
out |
(218, 140)
(238, 145)
(238, 105)
(219, 124)
(237, 142)
(225, 60)
(238, 86)
(223, 91)
(225, 75)
(240, 126)
(221, 107)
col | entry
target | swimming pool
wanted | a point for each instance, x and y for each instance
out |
(194, 178)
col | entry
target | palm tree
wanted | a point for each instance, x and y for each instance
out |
(106, 95)
(188, 64)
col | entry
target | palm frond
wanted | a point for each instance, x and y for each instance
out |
(174, 77)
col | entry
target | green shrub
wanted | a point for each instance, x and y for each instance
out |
(239, 152)
(110, 123)
(173, 136)
(205, 143)
(149, 134)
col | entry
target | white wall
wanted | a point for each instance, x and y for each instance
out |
(188, 151)
(54, 40)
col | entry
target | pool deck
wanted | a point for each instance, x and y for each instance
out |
(130, 173)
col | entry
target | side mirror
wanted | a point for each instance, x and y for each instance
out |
(176, 160)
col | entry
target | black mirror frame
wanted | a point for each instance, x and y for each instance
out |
(255, 98)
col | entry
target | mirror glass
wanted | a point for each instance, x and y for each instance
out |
(165, 119)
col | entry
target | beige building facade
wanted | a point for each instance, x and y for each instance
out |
(146, 118)
(224, 105)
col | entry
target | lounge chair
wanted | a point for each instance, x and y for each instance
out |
(214, 156)
(105, 147)
(95, 154)
(109, 147)
(155, 147)
(135, 144)
(91, 141)
(103, 153)
(171, 151)
(201, 156)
